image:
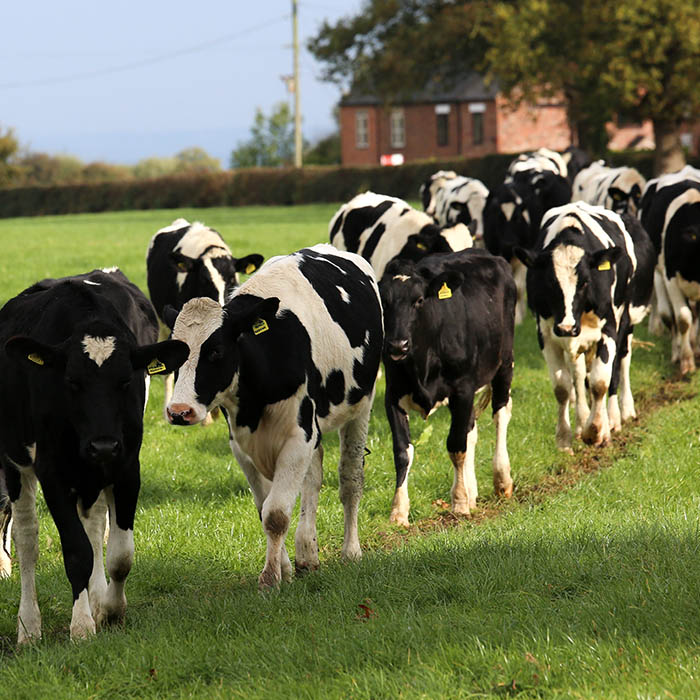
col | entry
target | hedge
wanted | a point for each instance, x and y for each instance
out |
(279, 186)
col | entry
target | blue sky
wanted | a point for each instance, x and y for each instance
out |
(128, 80)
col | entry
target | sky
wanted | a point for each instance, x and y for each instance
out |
(119, 82)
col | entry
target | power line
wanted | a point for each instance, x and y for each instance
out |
(143, 62)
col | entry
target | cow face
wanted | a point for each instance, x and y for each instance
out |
(212, 334)
(212, 276)
(507, 221)
(95, 380)
(682, 239)
(565, 280)
(405, 288)
(621, 201)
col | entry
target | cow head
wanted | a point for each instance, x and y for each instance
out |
(429, 189)
(95, 381)
(622, 201)
(212, 334)
(407, 291)
(427, 241)
(564, 281)
(214, 275)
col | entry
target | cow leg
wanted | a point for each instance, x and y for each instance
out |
(5, 528)
(403, 459)
(661, 312)
(684, 322)
(597, 429)
(93, 522)
(560, 378)
(306, 539)
(260, 488)
(168, 386)
(461, 445)
(291, 467)
(351, 473)
(519, 275)
(77, 551)
(22, 487)
(502, 411)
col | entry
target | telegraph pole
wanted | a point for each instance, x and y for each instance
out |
(297, 105)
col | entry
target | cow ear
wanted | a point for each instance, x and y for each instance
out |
(444, 285)
(33, 353)
(160, 358)
(256, 318)
(249, 264)
(604, 259)
(169, 316)
(526, 257)
(183, 263)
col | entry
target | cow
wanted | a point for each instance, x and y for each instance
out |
(670, 212)
(185, 261)
(512, 217)
(292, 355)
(75, 357)
(380, 228)
(450, 199)
(618, 189)
(449, 332)
(576, 159)
(589, 281)
(541, 160)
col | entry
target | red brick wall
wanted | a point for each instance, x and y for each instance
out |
(529, 127)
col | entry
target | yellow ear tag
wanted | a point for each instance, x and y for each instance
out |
(182, 267)
(36, 359)
(605, 265)
(445, 292)
(155, 367)
(250, 268)
(421, 246)
(260, 326)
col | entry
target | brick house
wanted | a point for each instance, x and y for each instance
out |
(467, 121)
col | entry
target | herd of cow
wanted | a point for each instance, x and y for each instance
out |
(295, 350)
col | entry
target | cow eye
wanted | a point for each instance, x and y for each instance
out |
(418, 302)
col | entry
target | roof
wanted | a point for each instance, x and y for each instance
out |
(466, 89)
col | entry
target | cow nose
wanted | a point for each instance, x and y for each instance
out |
(180, 414)
(566, 329)
(398, 349)
(103, 450)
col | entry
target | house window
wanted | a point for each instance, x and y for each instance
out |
(443, 129)
(362, 129)
(398, 128)
(477, 128)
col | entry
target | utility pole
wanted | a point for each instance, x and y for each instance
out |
(297, 105)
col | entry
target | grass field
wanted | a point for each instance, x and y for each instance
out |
(585, 585)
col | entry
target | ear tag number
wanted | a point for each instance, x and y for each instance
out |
(260, 326)
(445, 292)
(156, 367)
(35, 358)
(250, 268)
(605, 265)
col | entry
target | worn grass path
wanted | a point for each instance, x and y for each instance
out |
(584, 585)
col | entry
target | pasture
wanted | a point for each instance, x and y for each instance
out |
(585, 585)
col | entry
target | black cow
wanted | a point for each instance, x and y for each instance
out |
(293, 354)
(513, 214)
(449, 331)
(670, 212)
(381, 228)
(589, 281)
(75, 357)
(185, 261)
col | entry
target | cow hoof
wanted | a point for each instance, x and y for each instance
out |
(687, 365)
(24, 636)
(461, 508)
(302, 568)
(504, 491)
(268, 581)
(82, 630)
(399, 519)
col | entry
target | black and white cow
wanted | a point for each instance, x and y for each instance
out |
(450, 199)
(618, 189)
(670, 212)
(513, 214)
(541, 160)
(75, 356)
(380, 228)
(449, 331)
(185, 261)
(589, 281)
(292, 355)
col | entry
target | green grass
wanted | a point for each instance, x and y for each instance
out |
(590, 591)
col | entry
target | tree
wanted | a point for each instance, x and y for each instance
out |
(196, 160)
(9, 147)
(638, 56)
(154, 167)
(272, 140)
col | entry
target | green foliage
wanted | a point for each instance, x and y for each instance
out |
(271, 143)
(154, 167)
(324, 152)
(196, 160)
(9, 146)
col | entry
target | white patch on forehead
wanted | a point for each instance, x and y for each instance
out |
(216, 279)
(402, 278)
(99, 350)
(198, 239)
(565, 258)
(508, 208)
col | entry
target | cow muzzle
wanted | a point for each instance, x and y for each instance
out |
(181, 414)
(567, 330)
(398, 349)
(102, 451)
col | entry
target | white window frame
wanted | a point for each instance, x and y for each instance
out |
(398, 127)
(362, 128)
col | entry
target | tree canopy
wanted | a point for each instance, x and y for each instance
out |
(637, 57)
